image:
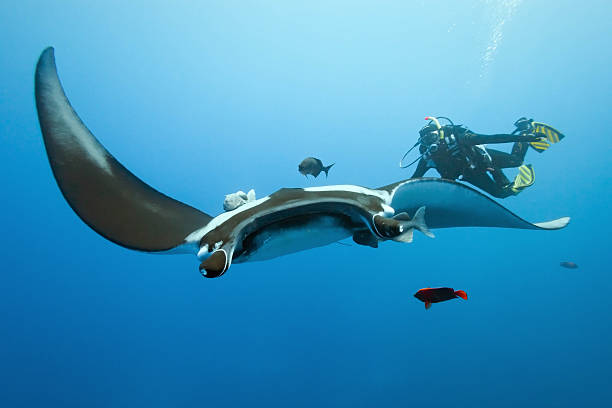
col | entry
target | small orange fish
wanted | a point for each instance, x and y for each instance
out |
(435, 295)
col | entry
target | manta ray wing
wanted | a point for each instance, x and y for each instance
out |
(107, 196)
(452, 204)
(127, 211)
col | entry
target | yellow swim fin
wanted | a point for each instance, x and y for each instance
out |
(548, 135)
(524, 178)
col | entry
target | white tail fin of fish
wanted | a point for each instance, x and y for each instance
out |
(405, 237)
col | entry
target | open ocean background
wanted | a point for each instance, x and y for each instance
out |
(200, 99)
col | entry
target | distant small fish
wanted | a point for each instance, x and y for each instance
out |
(569, 265)
(313, 166)
(435, 295)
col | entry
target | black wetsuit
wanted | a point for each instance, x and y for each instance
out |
(458, 155)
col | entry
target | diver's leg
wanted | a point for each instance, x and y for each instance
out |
(499, 177)
(503, 160)
(519, 150)
(526, 176)
(500, 161)
(482, 180)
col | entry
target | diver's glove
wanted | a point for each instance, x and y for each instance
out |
(524, 125)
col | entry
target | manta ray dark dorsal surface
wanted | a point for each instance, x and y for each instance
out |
(104, 194)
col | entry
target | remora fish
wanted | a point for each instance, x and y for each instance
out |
(313, 166)
(125, 210)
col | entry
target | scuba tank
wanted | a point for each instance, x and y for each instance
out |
(473, 157)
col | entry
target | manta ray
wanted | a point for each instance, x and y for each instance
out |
(127, 211)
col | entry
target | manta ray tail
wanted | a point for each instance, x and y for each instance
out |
(104, 194)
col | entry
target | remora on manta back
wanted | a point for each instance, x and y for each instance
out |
(125, 210)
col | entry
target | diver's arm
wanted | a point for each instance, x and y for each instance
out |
(421, 169)
(477, 139)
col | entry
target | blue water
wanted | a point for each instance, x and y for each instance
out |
(201, 99)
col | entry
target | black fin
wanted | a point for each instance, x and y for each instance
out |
(107, 197)
(326, 169)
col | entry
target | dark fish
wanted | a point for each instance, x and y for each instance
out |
(569, 265)
(435, 295)
(313, 166)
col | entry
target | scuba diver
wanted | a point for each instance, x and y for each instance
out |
(458, 153)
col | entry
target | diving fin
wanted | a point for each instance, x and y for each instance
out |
(524, 178)
(548, 135)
